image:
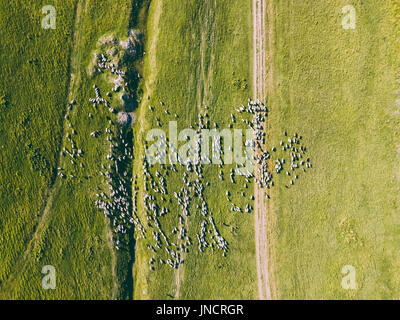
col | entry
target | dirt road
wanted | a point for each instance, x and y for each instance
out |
(260, 207)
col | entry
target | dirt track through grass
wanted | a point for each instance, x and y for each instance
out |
(259, 86)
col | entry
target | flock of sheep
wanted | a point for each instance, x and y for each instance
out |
(73, 152)
(194, 185)
(119, 203)
(116, 204)
(176, 244)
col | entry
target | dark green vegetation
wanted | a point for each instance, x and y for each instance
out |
(337, 88)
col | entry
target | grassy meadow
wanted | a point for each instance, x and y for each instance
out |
(34, 79)
(337, 88)
(197, 55)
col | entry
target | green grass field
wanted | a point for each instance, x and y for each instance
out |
(337, 88)
(72, 235)
(189, 64)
